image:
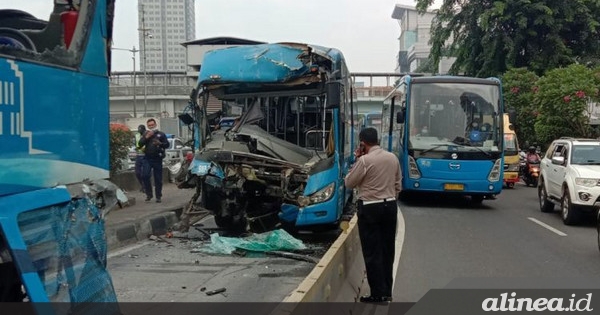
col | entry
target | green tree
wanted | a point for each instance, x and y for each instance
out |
(518, 86)
(119, 143)
(488, 37)
(563, 98)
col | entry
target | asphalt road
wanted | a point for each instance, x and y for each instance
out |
(157, 271)
(447, 239)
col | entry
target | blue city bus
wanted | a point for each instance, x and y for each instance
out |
(447, 132)
(371, 119)
(54, 135)
(283, 162)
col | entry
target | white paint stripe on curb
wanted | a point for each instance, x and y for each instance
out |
(400, 233)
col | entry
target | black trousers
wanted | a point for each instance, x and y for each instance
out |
(149, 168)
(377, 231)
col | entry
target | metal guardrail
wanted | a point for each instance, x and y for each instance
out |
(120, 90)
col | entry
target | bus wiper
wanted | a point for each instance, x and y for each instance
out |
(477, 148)
(435, 146)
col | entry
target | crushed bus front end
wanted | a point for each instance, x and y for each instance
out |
(280, 163)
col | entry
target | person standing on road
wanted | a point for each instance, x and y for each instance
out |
(154, 142)
(139, 158)
(376, 174)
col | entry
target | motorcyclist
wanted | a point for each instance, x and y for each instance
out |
(532, 156)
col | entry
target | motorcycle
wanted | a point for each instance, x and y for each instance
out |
(531, 173)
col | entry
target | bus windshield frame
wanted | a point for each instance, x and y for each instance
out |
(455, 116)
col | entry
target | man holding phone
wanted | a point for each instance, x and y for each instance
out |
(376, 174)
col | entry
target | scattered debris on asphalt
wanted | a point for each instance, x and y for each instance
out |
(262, 242)
(293, 256)
(217, 291)
(159, 239)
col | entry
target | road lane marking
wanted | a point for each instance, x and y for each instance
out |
(400, 230)
(547, 226)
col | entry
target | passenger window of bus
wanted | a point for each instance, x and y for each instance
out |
(26, 36)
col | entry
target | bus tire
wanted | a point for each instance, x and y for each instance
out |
(476, 199)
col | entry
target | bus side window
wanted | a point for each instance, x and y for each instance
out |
(22, 33)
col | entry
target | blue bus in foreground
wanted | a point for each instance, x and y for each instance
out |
(284, 160)
(447, 133)
(54, 140)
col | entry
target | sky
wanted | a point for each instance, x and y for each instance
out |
(362, 29)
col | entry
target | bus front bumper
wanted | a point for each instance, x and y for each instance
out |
(456, 186)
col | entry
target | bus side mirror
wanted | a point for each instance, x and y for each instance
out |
(334, 92)
(400, 116)
(512, 116)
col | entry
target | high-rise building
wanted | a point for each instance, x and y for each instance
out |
(163, 26)
(414, 47)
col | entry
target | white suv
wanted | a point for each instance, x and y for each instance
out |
(570, 177)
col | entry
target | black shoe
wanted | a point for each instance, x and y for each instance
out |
(148, 198)
(158, 200)
(375, 299)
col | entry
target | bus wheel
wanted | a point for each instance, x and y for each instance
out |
(510, 185)
(477, 199)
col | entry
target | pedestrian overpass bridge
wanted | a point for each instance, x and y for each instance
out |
(166, 94)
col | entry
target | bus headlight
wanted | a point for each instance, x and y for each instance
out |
(494, 174)
(413, 170)
(323, 194)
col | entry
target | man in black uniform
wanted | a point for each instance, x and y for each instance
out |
(155, 143)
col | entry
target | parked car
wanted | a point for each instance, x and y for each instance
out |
(570, 178)
(176, 151)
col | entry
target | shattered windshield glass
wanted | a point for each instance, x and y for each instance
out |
(41, 37)
(291, 128)
(455, 117)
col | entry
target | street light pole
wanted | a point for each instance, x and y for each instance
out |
(134, 83)
(133, 51)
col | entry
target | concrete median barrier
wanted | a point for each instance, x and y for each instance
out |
(338, 277)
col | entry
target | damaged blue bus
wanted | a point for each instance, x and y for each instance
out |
(54, 137)
(283, 162)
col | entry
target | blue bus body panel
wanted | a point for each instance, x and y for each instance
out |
(257, 64)
(313, 214)
(268, 63)
(49, 138)
(57, 243)
(454, 169)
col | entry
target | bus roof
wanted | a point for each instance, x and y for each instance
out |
(268, 67)
(453, 79)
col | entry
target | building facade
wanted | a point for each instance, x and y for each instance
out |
(163, 26)
(414, 48)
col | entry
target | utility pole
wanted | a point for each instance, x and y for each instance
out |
(144, 34)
